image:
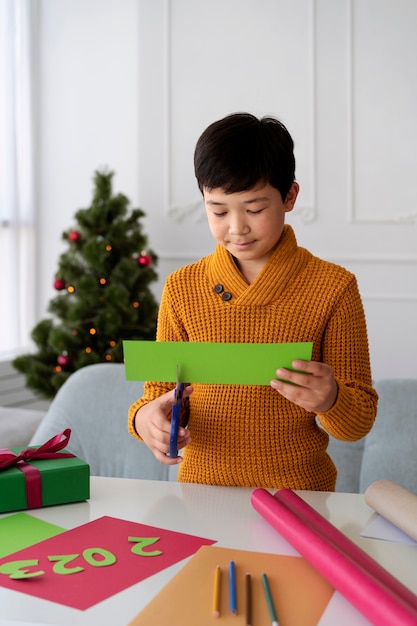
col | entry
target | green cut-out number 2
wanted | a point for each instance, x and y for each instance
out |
(142, 543)
(62, 560)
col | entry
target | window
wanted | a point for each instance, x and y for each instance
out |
(17, 188)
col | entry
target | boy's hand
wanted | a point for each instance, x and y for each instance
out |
(153, 424)
(314, 388)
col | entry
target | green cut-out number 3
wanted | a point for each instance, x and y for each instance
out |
(18, 569)
(142, 543)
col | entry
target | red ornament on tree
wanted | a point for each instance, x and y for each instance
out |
(144, 260)
(59, 284)
(74, 235)
(63, 359)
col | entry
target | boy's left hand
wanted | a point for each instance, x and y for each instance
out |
(314, 387)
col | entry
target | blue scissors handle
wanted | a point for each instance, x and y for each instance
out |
(175, 421)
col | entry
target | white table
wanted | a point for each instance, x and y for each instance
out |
(224, 514)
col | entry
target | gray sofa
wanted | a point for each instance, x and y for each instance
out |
(390, 449)
(94, 403)
(17, 425)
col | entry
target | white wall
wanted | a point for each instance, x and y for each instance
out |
(132, 83)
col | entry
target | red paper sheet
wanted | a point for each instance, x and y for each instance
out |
(92, 562)
(320, 544)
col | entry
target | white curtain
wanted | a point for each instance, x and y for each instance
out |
(17, 188)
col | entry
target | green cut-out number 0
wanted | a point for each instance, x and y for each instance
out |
(108, 557)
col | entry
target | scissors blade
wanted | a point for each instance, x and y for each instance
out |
(179, 388)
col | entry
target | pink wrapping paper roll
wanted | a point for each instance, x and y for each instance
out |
(396, 504)
(375, 599)
(327, 530)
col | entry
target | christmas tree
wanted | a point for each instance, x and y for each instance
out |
(104, 297)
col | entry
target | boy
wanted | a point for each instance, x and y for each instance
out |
(259, 286)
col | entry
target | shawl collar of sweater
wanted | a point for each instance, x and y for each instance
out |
(283, 266)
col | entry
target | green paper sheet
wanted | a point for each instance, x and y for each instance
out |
(21, 530)
(211, 363)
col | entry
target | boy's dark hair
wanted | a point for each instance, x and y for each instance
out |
(240, 151)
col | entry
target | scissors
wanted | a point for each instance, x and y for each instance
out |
(175, 418)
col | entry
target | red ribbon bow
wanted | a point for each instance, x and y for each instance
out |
(49, 450)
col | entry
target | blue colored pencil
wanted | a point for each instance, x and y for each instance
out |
(232, 588)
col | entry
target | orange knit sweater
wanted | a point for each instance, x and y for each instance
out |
(251, 436)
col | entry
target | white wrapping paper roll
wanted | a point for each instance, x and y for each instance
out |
(395, 503)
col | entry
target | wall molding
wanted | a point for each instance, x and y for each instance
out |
(409, 216)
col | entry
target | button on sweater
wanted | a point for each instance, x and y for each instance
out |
(250, 435)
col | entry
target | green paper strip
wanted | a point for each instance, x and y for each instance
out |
(211, 363)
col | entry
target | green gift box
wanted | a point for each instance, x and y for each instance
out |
(42, 476)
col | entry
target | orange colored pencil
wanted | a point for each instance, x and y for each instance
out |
(216, 591)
